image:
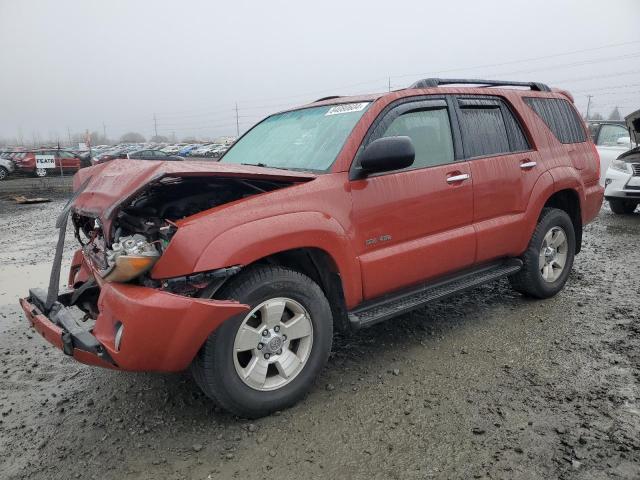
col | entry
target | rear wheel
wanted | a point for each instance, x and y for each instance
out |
(40, 172)
(4, 173)
(267, 359)
(621, 206)
(549, 257)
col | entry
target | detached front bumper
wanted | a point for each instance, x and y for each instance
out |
(160, 331)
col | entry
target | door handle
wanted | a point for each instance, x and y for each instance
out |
(528, 165)
(458, 178)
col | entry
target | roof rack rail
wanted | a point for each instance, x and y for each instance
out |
(330, 97)
(435, 82)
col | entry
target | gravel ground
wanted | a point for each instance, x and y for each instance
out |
(487, 385)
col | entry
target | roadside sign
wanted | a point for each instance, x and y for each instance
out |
(45, 161)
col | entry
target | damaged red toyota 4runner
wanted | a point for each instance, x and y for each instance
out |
(335, 215)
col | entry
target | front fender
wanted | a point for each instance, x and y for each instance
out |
(251, 241)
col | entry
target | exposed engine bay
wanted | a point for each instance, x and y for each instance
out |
(144, 225)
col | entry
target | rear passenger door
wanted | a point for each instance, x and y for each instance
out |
(414, 224)
(504, 170)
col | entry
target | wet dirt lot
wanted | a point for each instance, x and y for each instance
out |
(487, 385)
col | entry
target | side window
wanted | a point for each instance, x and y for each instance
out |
(609, 134)
(484, 131)
(560, 117)
(158, 154)
(430, 132)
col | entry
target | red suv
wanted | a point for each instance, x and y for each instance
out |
(61, 160)
(336, 215)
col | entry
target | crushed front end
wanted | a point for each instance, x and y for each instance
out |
(114, 313)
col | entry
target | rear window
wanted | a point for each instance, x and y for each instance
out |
(560, 117)
(489, 128)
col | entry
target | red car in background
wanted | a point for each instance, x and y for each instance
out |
(65, 161)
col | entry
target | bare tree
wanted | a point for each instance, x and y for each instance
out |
(159, 139)
(596, 116)
(132, 137)
(95, 138)
(615, 114)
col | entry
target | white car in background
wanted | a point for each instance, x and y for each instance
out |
(6, 167)
(611, 139)
(622, 178)
(174, 148)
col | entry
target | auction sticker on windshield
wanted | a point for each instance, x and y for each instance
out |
(45, 161)
(346, 108)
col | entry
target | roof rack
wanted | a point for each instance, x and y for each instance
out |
(435, 82)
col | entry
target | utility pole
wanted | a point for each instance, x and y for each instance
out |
(104, 131)
(588, 105)
(155, 124)
(237, 122)
(389, 83)
(69, 135)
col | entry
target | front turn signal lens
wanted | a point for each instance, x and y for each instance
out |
(128, 267)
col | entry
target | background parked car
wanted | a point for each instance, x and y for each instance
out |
(6, 168)
(184, 151)
(64, 161)
(611, 139)
(152, 155)
(622, 183)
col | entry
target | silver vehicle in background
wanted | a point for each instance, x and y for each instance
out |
(6, 167)
(611, 139)
(622, 178)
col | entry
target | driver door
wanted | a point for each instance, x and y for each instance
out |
(414, 224)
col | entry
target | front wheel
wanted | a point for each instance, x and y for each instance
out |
(622, 207)
(549, 257)
(266, 359)
(4, 173)
(40, 172)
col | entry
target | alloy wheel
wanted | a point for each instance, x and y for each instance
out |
(553, 254)
(273, 344)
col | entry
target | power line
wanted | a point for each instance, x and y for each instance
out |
(595, 77)
(522, 60)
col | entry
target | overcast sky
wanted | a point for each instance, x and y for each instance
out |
(76, 64)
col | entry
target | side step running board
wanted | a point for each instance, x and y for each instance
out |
(375, 311)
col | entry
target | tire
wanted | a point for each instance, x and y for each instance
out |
(219, 367)
(622, 207)
(530, 281)
(40, 172)
(4, 173)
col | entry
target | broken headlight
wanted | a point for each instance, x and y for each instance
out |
(129, 257)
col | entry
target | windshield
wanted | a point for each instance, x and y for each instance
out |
(306, 139)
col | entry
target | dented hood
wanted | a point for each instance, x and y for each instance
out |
(110, 184)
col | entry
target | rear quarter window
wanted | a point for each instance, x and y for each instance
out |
(560, 117)
(489, 128)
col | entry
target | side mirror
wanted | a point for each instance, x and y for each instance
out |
(386, 154)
